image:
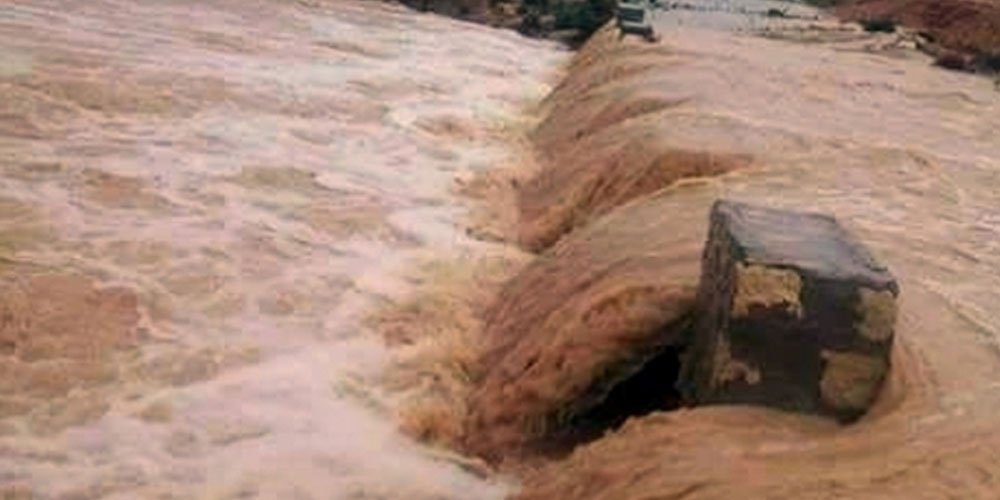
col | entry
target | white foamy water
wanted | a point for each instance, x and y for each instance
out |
(257, 172)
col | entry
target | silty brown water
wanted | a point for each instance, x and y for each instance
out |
(199, 202)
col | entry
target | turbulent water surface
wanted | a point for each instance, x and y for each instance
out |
(199, 203)
(907, 156)
(202, 201)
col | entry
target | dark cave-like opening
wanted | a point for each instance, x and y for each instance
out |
(652, 388)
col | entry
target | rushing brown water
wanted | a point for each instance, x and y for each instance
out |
(818, 116)
(839, 121)
(202, 202)
(199, 203)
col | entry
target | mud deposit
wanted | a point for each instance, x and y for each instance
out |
(200, 202)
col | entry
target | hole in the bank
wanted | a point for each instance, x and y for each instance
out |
(652, 388)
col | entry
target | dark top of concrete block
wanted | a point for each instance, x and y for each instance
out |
(809, 242)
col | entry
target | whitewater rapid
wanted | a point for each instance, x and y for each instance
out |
(251, 176)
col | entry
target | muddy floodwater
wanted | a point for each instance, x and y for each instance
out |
(199, 204)
(840, 121)
(208, 206)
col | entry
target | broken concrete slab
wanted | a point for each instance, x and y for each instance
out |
(793, 313)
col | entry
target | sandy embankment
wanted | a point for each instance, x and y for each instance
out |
(904, 154)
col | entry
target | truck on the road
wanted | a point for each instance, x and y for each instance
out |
(635, 17)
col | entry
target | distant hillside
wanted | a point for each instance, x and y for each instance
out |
(971, 27)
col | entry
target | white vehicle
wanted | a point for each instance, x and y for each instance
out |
(635, 16)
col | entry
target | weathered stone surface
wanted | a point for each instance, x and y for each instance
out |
(793, 313)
